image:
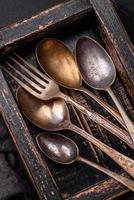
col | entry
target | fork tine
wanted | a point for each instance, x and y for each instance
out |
(34, 85)
(26, 87)
(37, 79)
(32, 67)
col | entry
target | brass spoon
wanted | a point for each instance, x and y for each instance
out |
(59, 63)
(53, 115)
(43, 88)
(63, 150)
(98, 71)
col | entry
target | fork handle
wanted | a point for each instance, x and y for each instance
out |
(105, 123)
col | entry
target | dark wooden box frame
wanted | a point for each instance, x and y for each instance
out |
(120, 49)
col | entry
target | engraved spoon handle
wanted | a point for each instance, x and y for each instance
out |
(107, 107)
(123, 180)
(126, 163)
(120, 133)
(128, 122)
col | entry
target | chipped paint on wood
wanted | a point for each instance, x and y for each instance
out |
(37, 168)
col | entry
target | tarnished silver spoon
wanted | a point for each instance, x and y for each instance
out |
(53, 115)
(59, 63)
(63, 150)
(98, 71)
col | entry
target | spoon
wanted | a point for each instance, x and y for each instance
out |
(63, 150)
(53, 115)
(98, 71)
(59, 63)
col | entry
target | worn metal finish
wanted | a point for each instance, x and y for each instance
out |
(26, 146)
(99, 72)
(57, 147)
(48, 89)
(49, 115)
(63, 150)
(54, 115)
(71, 15)
(95, 65)
(58, 62)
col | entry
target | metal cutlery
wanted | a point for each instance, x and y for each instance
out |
(58, 62)
(53, 115)
(63, 150)
(99, 72)
(43, 88)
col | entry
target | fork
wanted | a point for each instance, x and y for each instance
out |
(43, 88)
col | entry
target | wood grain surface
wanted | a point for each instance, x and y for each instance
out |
(67, 22)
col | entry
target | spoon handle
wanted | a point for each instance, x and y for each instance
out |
(126, 119)
(120, 133)
(126, 163)
(123, 180)
(107, 107)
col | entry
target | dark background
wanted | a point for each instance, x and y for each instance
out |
(11, 184)
(14, 10)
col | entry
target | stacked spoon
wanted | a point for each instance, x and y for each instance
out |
(98, 71)
(63, 150)
(95, 66)
(58, 62)
(53, 115)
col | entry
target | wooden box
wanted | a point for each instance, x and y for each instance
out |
(68, 21)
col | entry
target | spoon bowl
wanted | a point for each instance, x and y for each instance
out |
(95, 65)
(63, 150)
(58, 148)
(50, 115)
(58, 62)
(98, 70)
(53, 116)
